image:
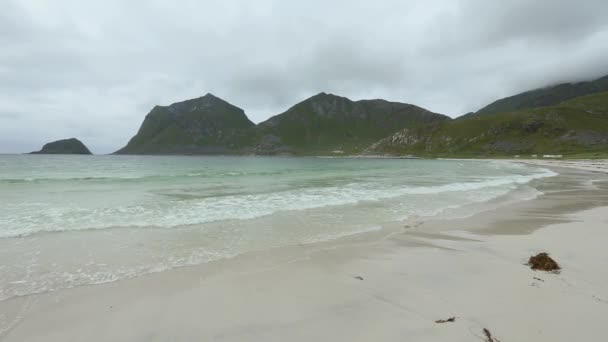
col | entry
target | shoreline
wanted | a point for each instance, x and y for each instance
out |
(312, 291)
(373, 230)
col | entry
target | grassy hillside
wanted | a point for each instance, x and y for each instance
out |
(326, 123)
(544, 97)
(322, 124)
(206, 125)
(578, 126)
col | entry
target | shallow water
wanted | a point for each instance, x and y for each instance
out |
(74, 220)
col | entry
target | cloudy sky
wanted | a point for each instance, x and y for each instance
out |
(93, 69)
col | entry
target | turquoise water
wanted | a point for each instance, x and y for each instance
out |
(74, 220)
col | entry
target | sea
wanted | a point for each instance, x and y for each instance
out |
(68, 221)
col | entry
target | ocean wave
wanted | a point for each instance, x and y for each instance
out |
(96, 273)
(130, 178)
(169, 214)
(75, 179)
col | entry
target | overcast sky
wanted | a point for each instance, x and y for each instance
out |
(93, 69)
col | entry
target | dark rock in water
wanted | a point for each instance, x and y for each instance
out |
(543, 262)
(65, 146)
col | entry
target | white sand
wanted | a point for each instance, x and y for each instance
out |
(593, 165)
(302, 293)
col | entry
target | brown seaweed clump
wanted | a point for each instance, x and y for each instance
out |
(543, 262)
(489, 337)
(450, 320)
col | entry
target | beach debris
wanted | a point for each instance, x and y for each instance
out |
(359, 277)
(538, 279)
(489, 337)
(599, 299)
(451, 320)
(543, 262)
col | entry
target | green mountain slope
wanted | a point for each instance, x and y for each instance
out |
(544, 97)
(65, 146)
(573, 127)
(322, 124)
(206, 125)
(326, 124)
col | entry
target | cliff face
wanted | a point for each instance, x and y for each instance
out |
(206, 125)
(65, 146)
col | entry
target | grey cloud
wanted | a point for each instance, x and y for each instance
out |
(94, 69)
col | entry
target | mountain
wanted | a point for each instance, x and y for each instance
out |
(206, 125)
(322, 124)
(544, 97)
(326, 124)
(65, 146)
(578, 126)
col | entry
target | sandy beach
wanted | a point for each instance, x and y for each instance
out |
(369, 287)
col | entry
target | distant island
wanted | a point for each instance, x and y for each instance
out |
(570, 118)
(65, 146)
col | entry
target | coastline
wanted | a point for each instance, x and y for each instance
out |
(410, 278)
